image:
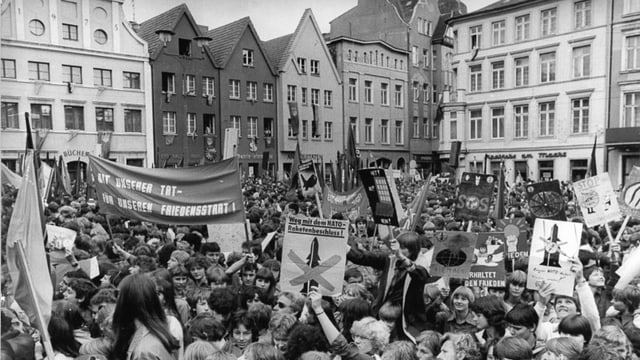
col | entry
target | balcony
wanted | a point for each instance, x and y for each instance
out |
(454, 96)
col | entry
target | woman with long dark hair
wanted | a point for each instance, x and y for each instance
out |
(140, 324)
(65, 346)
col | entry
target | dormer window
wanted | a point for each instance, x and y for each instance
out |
(247, 57)
(184, 47)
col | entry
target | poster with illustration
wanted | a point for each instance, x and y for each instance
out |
(546, 200)
(630, 195)
(487, 267)
(383, 196)
(313, 254)
(310, 185)
(552, 245)
(475, 195)
(515, 232)
(597, 200)
(453, 254)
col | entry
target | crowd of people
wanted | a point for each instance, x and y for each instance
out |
(165, 292)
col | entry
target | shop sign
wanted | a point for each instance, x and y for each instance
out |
(74, 154)
(541, 155)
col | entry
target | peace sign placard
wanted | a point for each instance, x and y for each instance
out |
(630, 195)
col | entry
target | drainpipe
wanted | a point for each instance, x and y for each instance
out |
(608, 118)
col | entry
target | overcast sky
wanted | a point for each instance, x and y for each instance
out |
(272, 18)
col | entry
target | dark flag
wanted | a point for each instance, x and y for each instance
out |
(499, 208)
(295, 118)
(592, 170)
(293, 179)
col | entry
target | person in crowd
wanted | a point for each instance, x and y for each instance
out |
(459, 346)
(511, 348)
(199, 350)
(262, 351)
(488, 315)
(562, 348)
(63, 342)
(428, 345)
(243, 332)
(460, 319)
(521, 321)
(516, 290)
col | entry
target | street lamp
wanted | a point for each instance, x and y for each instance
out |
(165, 36)
(202, 41)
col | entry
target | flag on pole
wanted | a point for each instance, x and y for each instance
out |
(499, 208)
(293, 179)
(592, 170)
(9, 177)
(26, 258)
(65, 178)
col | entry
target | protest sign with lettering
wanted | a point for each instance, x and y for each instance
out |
(515, 234)
(546, 200)
(383, 195)
(553, 244)
(453, 254)
(487, 269)
(475, 195)
(308, 178)
(630, 195)
(597, 200)
(313, 254)
(207, 194)
(60, 238)
(352, 203)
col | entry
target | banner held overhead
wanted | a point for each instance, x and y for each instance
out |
(206, 194)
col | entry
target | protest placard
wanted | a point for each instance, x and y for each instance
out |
(308, 178)
(352, 203)
(553, 244)
(208, 194)
(546, 201)
(487, 268)
(597, 200)
(453, 254)
(515, 237)
(383, 196)
(630, 195)
(60, 238)
(313, 254)
(229, 236)
(475, 195)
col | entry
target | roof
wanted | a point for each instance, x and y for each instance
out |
(405, 8)
(364, 42)
(495, 7)
(500, 4)
(277, 50)
(167, 21)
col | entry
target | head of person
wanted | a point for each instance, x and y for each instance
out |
(562, 348)
(370, 335)
(431, 295)
(178, 257)
(222, 303)
(389, 313)
(265, 280)
(179, 277)
(199, 350)
(461, 299)
(197, 266)
(248, 273)
(428, 345)
(599, 352)
(459, 346)
(626, 300)
(352, 310)
(516, 284)
(290, 302)
(488, 311)
(612, 337)
(400, 350)
(315, 355)
(62, 338)
(217, 277)
(207, 328)
(521, 322)
(565, 306)
(279, 327)
(260, 351)
(260, 314)
(410, 245)
(595, 277)
(211, 250)
(242, 329)
(198, 300)
(353, 276)
(274, 266)
(575, 326)
(512, 348)
(80, 291)
(303, 338)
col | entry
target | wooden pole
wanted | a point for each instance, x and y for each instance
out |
(624, 225)
(319, 205)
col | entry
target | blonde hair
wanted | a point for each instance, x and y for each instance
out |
(199, 350)
(569, 347)
(373, 329)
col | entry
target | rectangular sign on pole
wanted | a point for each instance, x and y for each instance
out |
(474, 196)
(352, 203)
(208, 194)
(487, 268)
(597, 200)
(383, 196)
(453, 254)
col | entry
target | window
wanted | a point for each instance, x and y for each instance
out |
(384, 94)
(397, 96)
(476, 78)
(247, 57)
(435, 93)
(102, 77)
(353, 124)
(234, 89)
(384, 131)
(104, 119)
(368, 90)
(631, 6)
(434, 56)
(399, 132)
(291, 93)
(8, 68)
(302, 65)
(522, 71)
(168, 123)
(190, 84)
(36, 27)
(328, 101)
(414, 56)
(497, 123)
(353, 90)
(235, 124)
(41, 116)
(498, 29)
(436, 130)
(69, 32)
(453, 125)
(429, 28)
(547, 118)
(267, 92)
(100, 36)
(416, 91)
(425, 58)
(521, 115)
(475, 33)
(548, 67)
(580, 116)
(581, 61)
(425, 128)
(208, 86)
(38, 71)
(168, 82)
(422, 26)
(191, 123)
(497, 75)
(253, 127)
(290, 128)
(74, 117)
(548, 22)
(72, 74)
(304, 97)
(631, 109)
(131, 80)
(582, 13)
(252, 90)
(523, 24)
(475, 125)
(268, 127)
(425, 93)
(328, 130)
(314, 66)
(315, 96)
(368, 130)
(132, 120)
(632, 48)
(415, 133)
(10, 117)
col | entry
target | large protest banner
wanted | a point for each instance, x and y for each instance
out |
(546, 201)
(383, 196)
(597, 200)
(308, 178)
(553, 244)
(475, 194)
(206, 194)
(487, 268)
(453, 254)
(352, 203)
(313, 254)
